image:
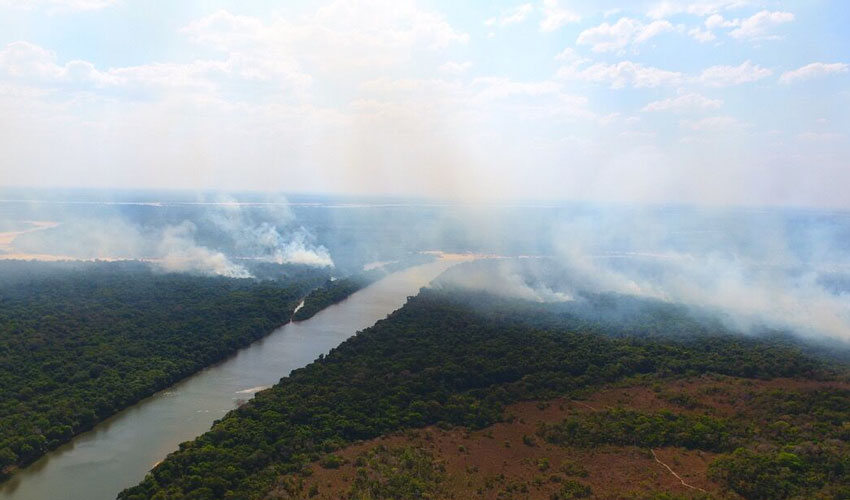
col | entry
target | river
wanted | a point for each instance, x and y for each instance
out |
(118, 453)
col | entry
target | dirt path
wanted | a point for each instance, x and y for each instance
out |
(674, 473)
(583, 404)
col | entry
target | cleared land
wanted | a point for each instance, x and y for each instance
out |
(512, 460)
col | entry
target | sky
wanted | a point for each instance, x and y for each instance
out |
(715, 102)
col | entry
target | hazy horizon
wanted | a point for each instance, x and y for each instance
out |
(720, 102)
(690, 152)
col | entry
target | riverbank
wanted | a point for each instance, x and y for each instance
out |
(118, 452)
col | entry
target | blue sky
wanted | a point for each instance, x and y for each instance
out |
(740, 102)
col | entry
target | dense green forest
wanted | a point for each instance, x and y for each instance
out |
(81, 341)
(334, 291)
(457, 359)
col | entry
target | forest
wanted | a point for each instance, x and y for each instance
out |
(81, 341)
(456, 359)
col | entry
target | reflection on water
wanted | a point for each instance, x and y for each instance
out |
(119, 452)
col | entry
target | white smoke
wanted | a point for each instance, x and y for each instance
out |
(229, 230)
(769, 270)
(504, 277)
(755, 278)
(297, 248)
(270, 235)
(178, 252)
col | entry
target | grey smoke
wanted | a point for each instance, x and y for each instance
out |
(272, 236)
(223, 233)
(178, 252)
(754, 270)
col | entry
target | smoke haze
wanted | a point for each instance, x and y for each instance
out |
(766, 270)
(212, 240)
(679, 151)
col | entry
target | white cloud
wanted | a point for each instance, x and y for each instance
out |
(336, 98)
(715, 21)
(515, 15)
(569, 55)
(270, 55)
(820, 136)
(386, 86)
(725, 76)
(455, 67)
(683, 103)
(637, 135)
(715, 124)
(500, 88)
(534, 100)
(622, 74)
(555, 16)
(59, 5)
(758, 26)
(35, 64)
(712, 22)
(813, 70)
(26, 60)
(625, 32)
(342, 35)
(701, 35)
(666, 9)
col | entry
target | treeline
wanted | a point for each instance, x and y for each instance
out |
(335, 291)
(456, 359)
(331, 292)
(784, 445)
(632, 428)
(79, 342)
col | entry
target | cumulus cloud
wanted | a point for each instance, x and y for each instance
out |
(820, 136)
(539, 99)
(338, 97)
(759, 25)
(626, 32)
(715, 21)
(555, 16)
(665, 9)
(715, 124)
(726, 76)
(812, 71)
(273, 54)
(622, 74)
(683, 103)
(514, 15)
(455, 67)
(36, 65)
(32, 63)
(500, 88)
(341, 35)
(632, 74)
(570, 55)
(701, 35)
(59, 5)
